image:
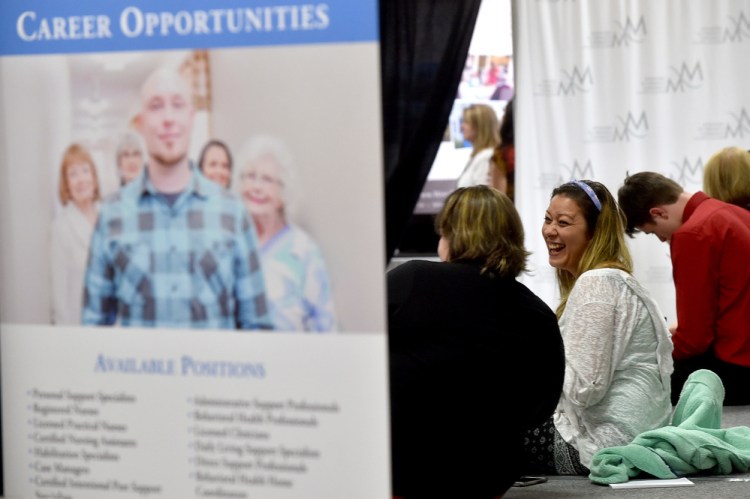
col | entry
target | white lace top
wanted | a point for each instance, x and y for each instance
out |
(618, 362)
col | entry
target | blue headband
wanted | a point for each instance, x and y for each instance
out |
(590, 192)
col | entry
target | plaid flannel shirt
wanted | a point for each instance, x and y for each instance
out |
(191, 264)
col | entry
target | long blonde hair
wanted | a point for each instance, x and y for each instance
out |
(483, 120)
(607, 247)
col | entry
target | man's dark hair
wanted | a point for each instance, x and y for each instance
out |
(643, 191)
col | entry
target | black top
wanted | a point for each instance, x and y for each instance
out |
(475, 360)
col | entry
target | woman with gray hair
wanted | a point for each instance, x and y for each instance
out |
(129, 156)
(297, 283)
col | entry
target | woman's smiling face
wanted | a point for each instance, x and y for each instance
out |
(262, 188)
(566, 233)
(217, 166)
(81, 183)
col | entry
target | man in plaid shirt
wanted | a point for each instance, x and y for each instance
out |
(173, 249)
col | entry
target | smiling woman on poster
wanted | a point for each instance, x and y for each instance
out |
(297, 283)
(71, 233)
(215, 162)
(129, 156)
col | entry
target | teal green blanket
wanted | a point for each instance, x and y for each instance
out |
(695, 443)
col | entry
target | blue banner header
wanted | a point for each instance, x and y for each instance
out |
(66, 26)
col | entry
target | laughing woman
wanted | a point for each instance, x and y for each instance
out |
(618, 353)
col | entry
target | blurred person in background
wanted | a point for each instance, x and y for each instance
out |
(726, 176)
(129, 156)
(215, 162)
(479, 126)
(78, 190)
(171, 248)
(503, 164)
(297, 282)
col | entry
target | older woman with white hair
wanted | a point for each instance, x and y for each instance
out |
(297, 284)
(129, 156)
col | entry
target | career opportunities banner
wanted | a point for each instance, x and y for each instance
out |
(191, 250)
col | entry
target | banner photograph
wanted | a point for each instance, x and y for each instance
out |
(228, 118)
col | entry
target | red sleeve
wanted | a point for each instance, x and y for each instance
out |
(695, 259)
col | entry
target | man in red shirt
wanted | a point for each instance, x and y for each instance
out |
(710, 246)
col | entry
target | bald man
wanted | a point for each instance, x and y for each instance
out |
(171, 248)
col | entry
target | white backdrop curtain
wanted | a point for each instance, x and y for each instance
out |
(606, 87)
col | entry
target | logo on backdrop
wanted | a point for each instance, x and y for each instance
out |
(681, 78)
(735, 30)
(576, 170)
(628, 127)
(571, 82)
(622, 34)
(548, 180)
(736, 126)
(686, 172)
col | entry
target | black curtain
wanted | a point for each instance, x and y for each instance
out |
(424, 44)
